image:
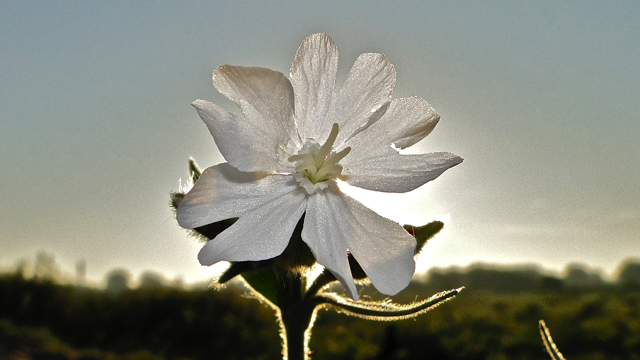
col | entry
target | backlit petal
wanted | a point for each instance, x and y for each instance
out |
(260, 233)
(382, 247)
(223, 192)
(336, 223)
(368, 86)
(313, 77)
(265, 98)
(389, 171)
(324, 233)
(405, 122)
(242, 144)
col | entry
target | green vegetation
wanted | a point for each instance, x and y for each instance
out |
(495, 317)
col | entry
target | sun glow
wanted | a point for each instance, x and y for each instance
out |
(405, 208)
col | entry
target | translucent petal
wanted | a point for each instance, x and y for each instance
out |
(368, 86)
(386, 170)
(223, 192)
(336, 223)
(260, 233)
(405, 122)
(243, 145)
(382, 247)
(324, 234)
(313, 77)
(265, 98)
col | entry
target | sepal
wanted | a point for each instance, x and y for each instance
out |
(424, 233)
(194, 170)
(385, 310)
(266, 282)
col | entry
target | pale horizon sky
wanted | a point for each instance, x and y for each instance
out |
(539, 98)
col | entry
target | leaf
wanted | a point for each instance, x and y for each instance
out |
(325, 278)
(384, 310)
(424, 233)
(265, 282)
(551, 347)
(235, 269)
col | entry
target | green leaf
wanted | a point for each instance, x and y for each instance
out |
(384, 310)
(424, 233)
(266, 282)
(235, 269)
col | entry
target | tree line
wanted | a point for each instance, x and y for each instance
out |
(495, 317)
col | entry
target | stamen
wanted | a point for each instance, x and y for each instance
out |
(324, 171)
(326, 148)
(339, 155)
(316, 164)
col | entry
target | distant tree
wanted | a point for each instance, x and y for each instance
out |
(446, 278)
(118, 281)
(152, 280)
(580, 275)
(81, 271)
(178, 283)
(551, 283)
(22, 268)
(629, 273)
(46, 267)
(499, 279)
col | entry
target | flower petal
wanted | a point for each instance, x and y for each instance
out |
(259, 234)
(405, 122)
(313, 77)
(265, 98)
(389, 171)
(368, 86)
(324, 233)
(336, 223)
(382, 247)
(223, 192)
(268, 207)
(243, 145)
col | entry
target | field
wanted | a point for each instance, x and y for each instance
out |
(495, 317)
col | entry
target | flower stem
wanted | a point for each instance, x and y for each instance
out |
(296, 318)
(296, 328)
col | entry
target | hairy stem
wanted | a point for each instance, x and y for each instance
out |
(296, 319)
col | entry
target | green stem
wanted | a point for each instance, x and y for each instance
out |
(296, 318)
(296, 326)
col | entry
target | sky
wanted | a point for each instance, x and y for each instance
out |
(539, 98)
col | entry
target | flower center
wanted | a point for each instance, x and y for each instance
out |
(318, 164)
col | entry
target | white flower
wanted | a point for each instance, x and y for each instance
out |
(295, 138)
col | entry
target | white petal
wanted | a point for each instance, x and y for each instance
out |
(223, 192)
(383, 248)
(335, 223)
(405, 122)
(265, 98)
(368, 86)
(259, 234)
(388, 171)
(313, 77)
(324, 234)
(243, 145)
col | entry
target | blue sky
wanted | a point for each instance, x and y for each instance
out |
(539, 98)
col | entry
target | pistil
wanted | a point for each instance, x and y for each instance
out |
(319, 166)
